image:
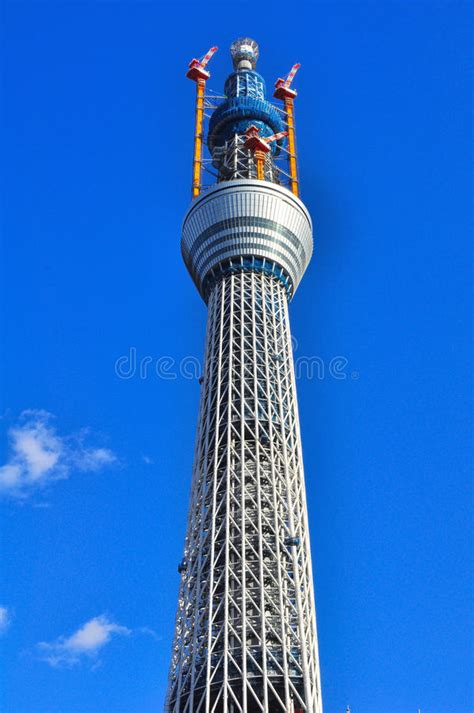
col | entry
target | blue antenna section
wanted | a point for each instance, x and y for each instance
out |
(245, 104)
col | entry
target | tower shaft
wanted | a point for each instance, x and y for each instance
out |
(245, 636)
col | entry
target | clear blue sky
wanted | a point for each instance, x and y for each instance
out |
(98, 120)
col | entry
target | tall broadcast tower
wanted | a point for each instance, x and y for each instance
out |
(245, 638)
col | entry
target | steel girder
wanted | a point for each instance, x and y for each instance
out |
(245, 638)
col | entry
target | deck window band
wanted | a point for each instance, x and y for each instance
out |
(254, 247)
(244, 221)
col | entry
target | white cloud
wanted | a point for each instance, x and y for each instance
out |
(39, 456)
(83, 644)
(5, 619)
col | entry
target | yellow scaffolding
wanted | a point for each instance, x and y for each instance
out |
(197, 158)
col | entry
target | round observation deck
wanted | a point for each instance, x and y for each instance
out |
(247, 224)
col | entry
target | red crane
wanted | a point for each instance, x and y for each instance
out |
(283, 91)
(197, 67)
(282, 86)
(259, 145)
(198, 73)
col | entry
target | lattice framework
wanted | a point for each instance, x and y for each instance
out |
(245, 637)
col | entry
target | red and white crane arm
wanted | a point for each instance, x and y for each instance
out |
(291, 75)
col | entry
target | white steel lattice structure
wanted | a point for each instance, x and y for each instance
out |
(245, 638)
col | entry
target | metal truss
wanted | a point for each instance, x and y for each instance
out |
(245, 638)
(234, 162)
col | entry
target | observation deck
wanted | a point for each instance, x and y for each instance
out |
(247, 224)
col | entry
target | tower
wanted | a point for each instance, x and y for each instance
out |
(245, 637)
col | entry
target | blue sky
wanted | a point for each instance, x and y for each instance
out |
(98, 120)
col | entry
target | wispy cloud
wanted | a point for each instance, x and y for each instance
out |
(5, 619)
(83, 644)
(39, 455)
